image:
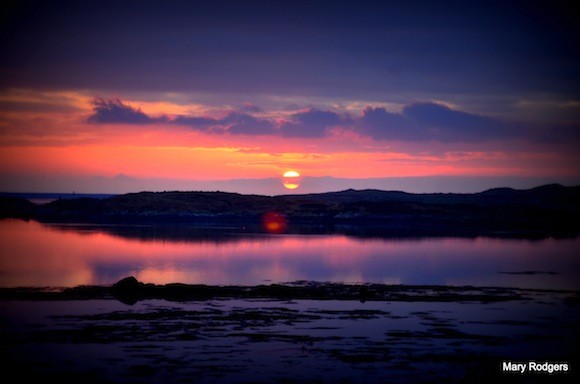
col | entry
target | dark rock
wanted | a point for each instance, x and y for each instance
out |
(128, 290)
(127, 283)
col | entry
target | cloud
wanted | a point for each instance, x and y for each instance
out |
(431, 122)
(311, 124)
(206, 124)
(244, 124)
(418, 122)
(309, 50)
(250, 107)
(235, 123)
(446, 124)
(116, 112)
(380, 124)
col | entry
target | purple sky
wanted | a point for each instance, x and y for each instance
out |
(449, 96)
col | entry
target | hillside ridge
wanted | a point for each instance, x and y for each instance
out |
(547, 208)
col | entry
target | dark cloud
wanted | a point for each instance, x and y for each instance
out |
(244, 124)
(380, 124)
(446, 124)
(419, 122)
(431, 122)
(235, 123)
(340, 49)
(311, 124)
(116, 112)
(196, 122)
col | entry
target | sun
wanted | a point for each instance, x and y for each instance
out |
(291, 179)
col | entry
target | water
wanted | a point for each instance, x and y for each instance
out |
(56, 255)
(230, 340)
(45, 198)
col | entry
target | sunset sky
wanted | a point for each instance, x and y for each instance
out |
(421, 96)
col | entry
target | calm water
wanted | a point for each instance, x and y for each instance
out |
(35, 254)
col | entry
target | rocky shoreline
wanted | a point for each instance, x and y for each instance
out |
(129, 290)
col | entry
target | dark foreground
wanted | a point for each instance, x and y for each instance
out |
(545, 211)
(296, 333)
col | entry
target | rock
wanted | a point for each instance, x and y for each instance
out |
(128, 290)
(127, 283)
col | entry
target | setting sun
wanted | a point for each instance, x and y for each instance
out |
(291, 179)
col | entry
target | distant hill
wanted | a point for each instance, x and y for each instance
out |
(549, 208)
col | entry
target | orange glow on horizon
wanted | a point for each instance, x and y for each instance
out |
(225, 163)
(53, 139)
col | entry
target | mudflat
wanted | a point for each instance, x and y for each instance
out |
(300, 332)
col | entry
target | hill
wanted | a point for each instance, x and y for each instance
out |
(551, 208)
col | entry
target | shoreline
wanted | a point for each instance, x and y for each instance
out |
(130, 291)
(548, 210)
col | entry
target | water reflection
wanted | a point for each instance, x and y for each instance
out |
(35, 254)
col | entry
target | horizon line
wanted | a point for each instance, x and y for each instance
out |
(53, 194)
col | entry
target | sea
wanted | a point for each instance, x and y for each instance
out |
(69, 254)
(44, 198)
